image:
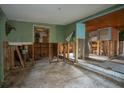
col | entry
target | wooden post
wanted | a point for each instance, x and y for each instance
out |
(63, 51)
(98, 47)
(68, 51)
(83, 50)
(109, 50)
(12, 57)
(20, 57)
(113, 48)
(5, 56)
(118, 43)
(33, 55)
(57, 51)
(50, 52)
(76, 50)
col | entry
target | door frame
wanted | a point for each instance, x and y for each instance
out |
(44, 26)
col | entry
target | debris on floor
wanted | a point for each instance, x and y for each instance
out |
(60, 75)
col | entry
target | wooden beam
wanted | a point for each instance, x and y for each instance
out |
(20, 57)
(118, 43)
(98, 47)
(76, 51)
(68, 51)
(113, 48)
(57, 51)
(12, 57)
(50, 52)
(33, 55)
(109, 49)
(83, 50)
(64, 50)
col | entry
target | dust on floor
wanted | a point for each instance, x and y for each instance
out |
(59, 75)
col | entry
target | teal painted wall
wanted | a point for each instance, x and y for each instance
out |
(24, 32)
(80, 30)
(69, 28)
(78, 27)
(60, 33)
(3, 19)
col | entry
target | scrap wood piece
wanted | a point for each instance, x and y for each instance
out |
(20, 57)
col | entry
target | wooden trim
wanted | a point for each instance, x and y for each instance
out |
(44, 26)
(20, 43)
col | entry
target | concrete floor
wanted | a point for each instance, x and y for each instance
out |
(59, 75)
(114, 66)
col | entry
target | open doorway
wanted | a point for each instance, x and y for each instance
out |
(100, 44)
(41, 42)
(121, 43)
(42, 47)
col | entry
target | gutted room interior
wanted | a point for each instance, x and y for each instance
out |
(51, 46)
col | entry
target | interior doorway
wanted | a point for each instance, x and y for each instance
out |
(121, 43)
(42, 47)
(100, 44)
(41, 42)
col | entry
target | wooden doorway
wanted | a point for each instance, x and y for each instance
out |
(41, 42)
(121, 43)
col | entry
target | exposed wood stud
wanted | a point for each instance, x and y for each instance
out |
(50, 53)
(20, 57)
(98, 47)
(76, 51)
(12, 57)
(68, 51)
(57, 51)
(64, 52)
(33, 54)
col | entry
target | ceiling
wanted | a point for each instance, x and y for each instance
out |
(61, 14)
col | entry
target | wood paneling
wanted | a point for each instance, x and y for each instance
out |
(115, 19)
(41, 50)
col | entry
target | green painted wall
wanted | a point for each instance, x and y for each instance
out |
(60, 33)
(24, 32)
(3, 19)
(70, 28)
